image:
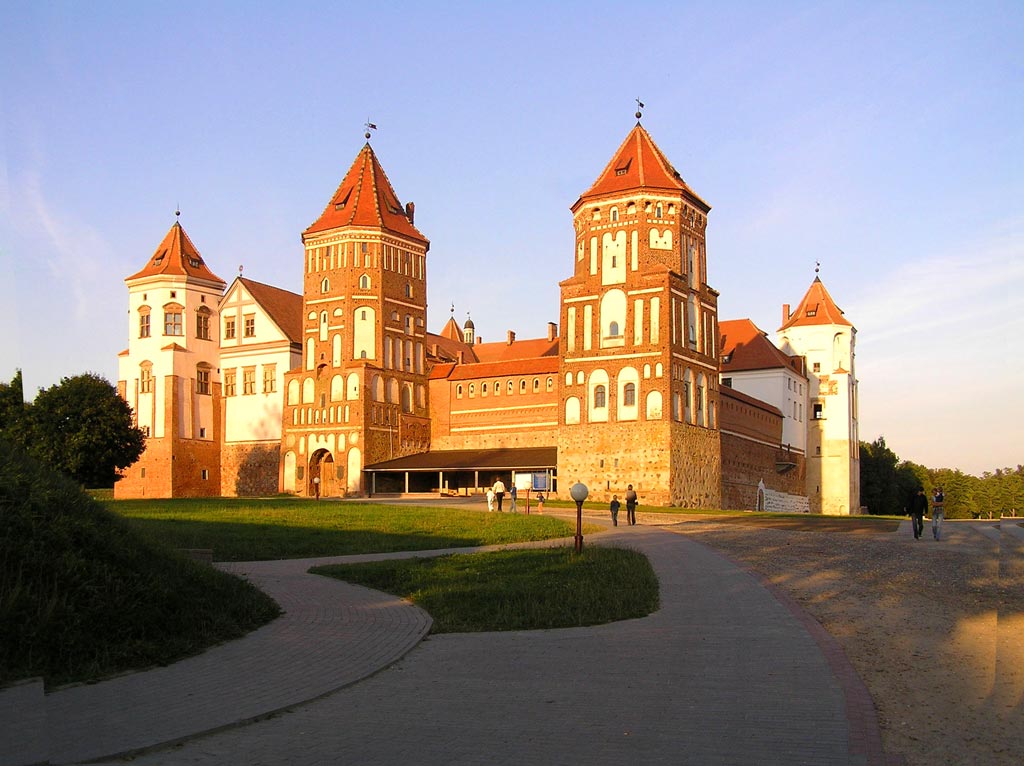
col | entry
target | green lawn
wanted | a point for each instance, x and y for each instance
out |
(278, 528)
(516, 589)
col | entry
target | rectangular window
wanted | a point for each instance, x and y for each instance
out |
(205, 474)
(230, 376)
(269, 378)
(229, 327)
(202, 381)
(143, 325)
(817, 366)
(250, 326)
(202, 432)
(818, 411)
(146, 381)
(203, 325)
(172, 323)
(249, 380)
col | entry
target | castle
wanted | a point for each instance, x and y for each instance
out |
(248, 389)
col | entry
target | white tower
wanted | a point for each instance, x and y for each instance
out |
(818, 331)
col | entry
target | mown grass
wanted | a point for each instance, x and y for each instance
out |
(516, 589)
(278, 528)
(82, 595)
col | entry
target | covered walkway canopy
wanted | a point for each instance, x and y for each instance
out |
(463, 472)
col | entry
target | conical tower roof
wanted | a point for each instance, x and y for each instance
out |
(816, 308)
(176, 256)
(365, 197)
(639, 164)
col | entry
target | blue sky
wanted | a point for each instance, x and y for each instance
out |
(882, 139)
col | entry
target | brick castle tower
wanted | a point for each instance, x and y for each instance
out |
(169, 373)
(360, 395)
(639, 367)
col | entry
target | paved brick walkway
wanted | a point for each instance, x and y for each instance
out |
(724, 673)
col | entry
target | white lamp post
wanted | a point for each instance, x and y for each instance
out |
(579, 492)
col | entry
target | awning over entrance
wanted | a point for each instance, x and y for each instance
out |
(459, 471)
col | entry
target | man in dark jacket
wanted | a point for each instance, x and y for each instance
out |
(918, 508)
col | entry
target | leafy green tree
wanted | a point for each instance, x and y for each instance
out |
(13, 410)
(83, 428)
(879, 490)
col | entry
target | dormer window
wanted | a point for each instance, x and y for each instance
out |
(194, 262)
(621, 170)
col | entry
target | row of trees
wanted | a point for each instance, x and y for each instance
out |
(887, 484)
(79, 426)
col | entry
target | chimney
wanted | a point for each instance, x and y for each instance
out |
(552, 330)
(479, 340)
(462, 357)
(511, 338)
(785, 313)
(410, 211)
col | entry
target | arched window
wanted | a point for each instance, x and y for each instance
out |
(658, 210)
(497, 388)
(509, 388)
(572, 410)
(613, 329)
(629, 395)
(536, 385)
(325, 285)
(550, 384)
(458, 391)
(408, 290)
(522, 386)
(600, 397)
(472, 390)
(483, 389)
(364, 282)
(613, 214)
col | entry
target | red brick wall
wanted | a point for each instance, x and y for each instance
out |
(250, 470)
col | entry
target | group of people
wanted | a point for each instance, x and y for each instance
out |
(496, 496)
(919, 507)
(631, 504)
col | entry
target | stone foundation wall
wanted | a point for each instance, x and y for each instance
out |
(745, 463)
(250, 469)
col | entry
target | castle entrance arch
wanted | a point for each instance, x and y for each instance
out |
(321, 467)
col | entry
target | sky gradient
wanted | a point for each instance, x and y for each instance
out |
(884, 140)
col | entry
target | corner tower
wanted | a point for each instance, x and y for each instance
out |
(360, 395)
(169, 374)
(818, 331)
(639, 368)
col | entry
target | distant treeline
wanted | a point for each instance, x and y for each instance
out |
(887, 484)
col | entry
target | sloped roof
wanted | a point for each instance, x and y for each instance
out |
(283, 306)
(544, 365)
(451, 330)
(816, 308)
(639, 164)
(365, 197)
(744, 346)
(176, 256)
(449, 348)
(528, 348)
(518, 458)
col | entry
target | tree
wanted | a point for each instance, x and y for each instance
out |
(83, 428)
(879, 490)
(12, 409)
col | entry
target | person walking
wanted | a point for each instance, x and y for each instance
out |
(938, 512)
(918, 508)
(499, 492)
(490, 499)
(631, 503)
(614, 508)
(540, 502)
(512, 492)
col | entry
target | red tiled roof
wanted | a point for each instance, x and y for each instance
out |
(176, 256)
(451, 330)
(529, 348)
(544, 365)
(746, 347)
(639, 163)
(365, 197)
(283, 306)
(816, 308)
(442, 370)
(449, 348)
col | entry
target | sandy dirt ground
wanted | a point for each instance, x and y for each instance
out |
(935, 629)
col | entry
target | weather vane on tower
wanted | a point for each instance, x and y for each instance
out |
(369, 126)
(639, 106)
